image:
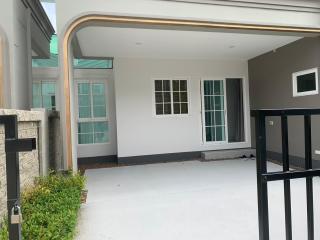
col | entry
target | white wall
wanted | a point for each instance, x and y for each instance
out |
(140, 132)
(13, 21)
(20, 52)
(6, 27)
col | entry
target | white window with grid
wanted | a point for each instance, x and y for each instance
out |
(171, 97)
(93, 123)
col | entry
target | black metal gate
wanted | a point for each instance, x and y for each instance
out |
(263, 177)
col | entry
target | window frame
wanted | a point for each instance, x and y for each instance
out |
(172, 114)
(295, 76)
(38, 81)
(92, 119)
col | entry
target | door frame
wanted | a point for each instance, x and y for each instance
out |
(111, 145)
(203, 122)
(246, 113)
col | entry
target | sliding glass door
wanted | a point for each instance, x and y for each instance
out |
(214, 111)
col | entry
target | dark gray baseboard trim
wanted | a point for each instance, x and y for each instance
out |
(160, 158)
(97, 160)
(294, 160)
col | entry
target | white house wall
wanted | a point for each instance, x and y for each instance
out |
(13, 23)
(140, 132)
(153, 139)
(20, 54)
(6, 27)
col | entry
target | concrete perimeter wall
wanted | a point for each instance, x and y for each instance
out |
(31, 163)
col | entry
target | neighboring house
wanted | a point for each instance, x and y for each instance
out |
(166, 80)
(25, 32)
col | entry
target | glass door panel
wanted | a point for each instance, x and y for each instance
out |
(214, 110)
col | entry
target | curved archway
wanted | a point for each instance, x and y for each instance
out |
(86, 20)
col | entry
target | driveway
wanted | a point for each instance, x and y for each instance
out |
(187, 201)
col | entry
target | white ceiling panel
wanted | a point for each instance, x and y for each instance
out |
(173, 44)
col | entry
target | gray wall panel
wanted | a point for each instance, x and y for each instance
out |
(270, 77)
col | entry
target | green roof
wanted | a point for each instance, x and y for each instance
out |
(54, 45)
(53, 61)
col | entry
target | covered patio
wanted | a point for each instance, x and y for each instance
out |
(188, 200)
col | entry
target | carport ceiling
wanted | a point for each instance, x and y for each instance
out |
(173, 44)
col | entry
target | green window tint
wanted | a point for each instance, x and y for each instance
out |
(214, 110)
(93, 124)
(84, 88)
(36, 102)
(101, 132)
(98, 89)
(36, 95)
(99, 111)
(84, 100)
(93, 63)
(85, 127)
(84, 112)
(48, 88)
(99, 101)
(85, 133)
(44, 95)
(93, 132)
(36, 89)
(48, 102)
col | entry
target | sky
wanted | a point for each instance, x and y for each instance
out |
(50, 9)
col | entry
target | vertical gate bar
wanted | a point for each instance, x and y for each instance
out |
(286, 166)
(13, 175)
(262, 187)
(309, 181)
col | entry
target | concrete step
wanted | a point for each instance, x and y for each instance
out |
(227, 154)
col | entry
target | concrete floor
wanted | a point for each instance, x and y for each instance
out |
(187, 201)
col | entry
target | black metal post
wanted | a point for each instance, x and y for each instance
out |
(262, 169)
(263, 177)
(286, 182)
(309, 180)
(13, 176)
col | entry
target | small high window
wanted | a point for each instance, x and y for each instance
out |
(305, 82)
